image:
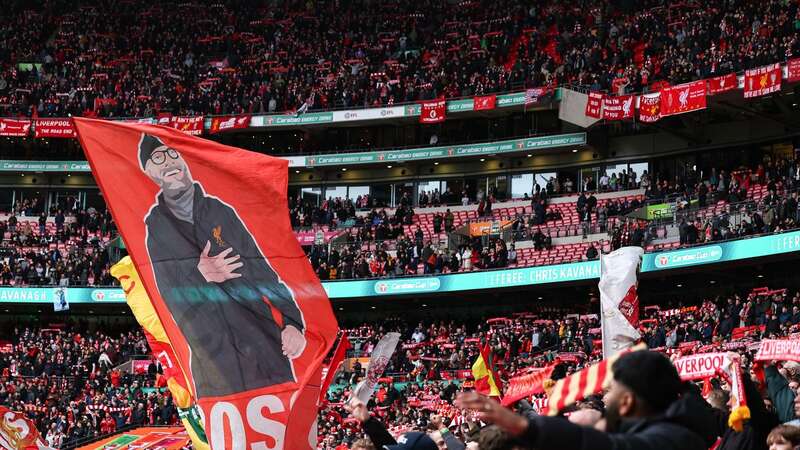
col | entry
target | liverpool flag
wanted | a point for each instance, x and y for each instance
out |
(619, 300)
(650, 107)
(484, 371)
(208, 230)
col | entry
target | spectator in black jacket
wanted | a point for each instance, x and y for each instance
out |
(646, 409)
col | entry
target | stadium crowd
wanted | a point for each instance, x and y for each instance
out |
(66, 379)
(420, 388)
(126, 58)
(712, 206)
(66, 246)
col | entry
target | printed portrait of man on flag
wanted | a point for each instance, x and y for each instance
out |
(241, 321)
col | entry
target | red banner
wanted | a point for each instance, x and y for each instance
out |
(683, 98)
(15, 127)
(53, 128)
(650, 107)
(594, 105)
(778, 349)
(618, 108)
(697, 367)
(527, 385)
(333, 367)
(722, 83)
(225, 123)
(164, 118)
(793, 69)
(189, 125)
(433, 112)
(484, 103)
(207, 227)
(762, 81)
(140, 366)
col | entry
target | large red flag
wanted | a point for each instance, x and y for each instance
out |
(207, 227)
(683, 98)
(722, 83)
(762, 81)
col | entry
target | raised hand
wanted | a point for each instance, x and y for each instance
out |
(218, 268)
(357, 409)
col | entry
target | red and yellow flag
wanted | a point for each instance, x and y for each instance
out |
(589, 381)
(487, 381)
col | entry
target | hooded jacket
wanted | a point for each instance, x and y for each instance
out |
(686, 425)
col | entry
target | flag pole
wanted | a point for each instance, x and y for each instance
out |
(602, 318)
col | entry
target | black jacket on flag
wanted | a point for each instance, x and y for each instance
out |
(233, 328)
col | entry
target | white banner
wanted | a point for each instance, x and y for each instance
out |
(697, 367)
(778, 349)
(377, 364)
(619, 301)
(369, 114)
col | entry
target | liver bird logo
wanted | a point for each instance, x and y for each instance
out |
(683, 97)
(629, 306)
(217, 233)
(626, 106)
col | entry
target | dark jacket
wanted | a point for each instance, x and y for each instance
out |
(684, 426)
(782, 397)
(754, 433)
(233, 328)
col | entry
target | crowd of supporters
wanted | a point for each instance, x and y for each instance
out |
(712, 206)
(137, 58)
(67, 251)
(66, 246)
(422, 382)
(66, 379)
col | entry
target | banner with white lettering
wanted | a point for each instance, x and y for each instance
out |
(434, 111)
(778, 349)
(723, 83)
(650, 107)
(697, 367)
(683, 98)
(54, 128)
(189, 125)
(594, 105)
(793, 70)
(227, 123)
(762, 81)
(619, 107)
(15, 127)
